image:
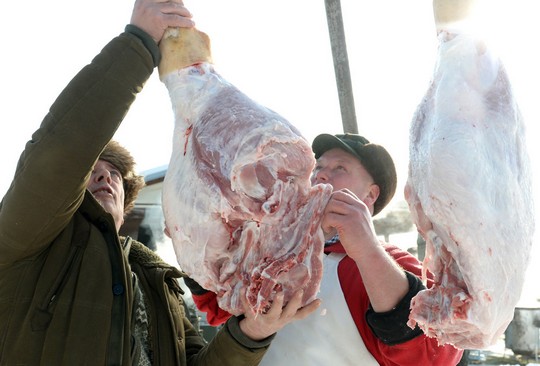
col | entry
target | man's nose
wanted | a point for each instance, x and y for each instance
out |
(319, 176)
(102, 174)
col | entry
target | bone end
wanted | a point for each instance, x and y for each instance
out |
(451, 12)
(183, 47)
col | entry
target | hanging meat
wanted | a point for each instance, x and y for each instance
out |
(237, 198)
(469, 191)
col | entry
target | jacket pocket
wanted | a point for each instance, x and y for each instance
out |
(43, 313)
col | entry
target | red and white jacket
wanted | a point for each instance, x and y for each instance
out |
(386, 336)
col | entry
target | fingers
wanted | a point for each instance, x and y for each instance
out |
(344, 206)
(248, 310)
(344, 197)
(294, 311)
(259, 326)
(293, 305)
(308, 309)
(176, 21)
(154, 17)
(277, 305)
(175, 8)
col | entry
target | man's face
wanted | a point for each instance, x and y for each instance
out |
(342, 170)
(107, 187)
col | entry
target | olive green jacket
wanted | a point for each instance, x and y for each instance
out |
(65, 276)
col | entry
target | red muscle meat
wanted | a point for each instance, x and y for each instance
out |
(469, 191)
(237, 199)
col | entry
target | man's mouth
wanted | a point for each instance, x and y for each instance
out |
(103, 192)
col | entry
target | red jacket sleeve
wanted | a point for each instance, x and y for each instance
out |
(207, 303)
(421, 350)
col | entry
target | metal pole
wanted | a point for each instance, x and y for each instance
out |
(341, 65)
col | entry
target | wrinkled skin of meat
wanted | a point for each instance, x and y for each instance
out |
(237, 199)
(469, 191)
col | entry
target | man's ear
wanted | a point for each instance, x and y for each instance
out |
(372, 195)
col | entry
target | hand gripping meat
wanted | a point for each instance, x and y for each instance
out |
(469, 191)
(237, 199)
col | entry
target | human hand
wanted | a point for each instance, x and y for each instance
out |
(385, 281)
(155, 16)
(260, 326)
(351, 218)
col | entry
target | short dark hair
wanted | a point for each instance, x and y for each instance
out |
(119, 156)
(374, 158)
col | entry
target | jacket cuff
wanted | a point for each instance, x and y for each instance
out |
(193, 285)
(233, 327)
(391, 326)
(148, 42)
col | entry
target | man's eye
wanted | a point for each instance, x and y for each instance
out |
(116, 174)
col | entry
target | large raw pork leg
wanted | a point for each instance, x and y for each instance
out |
(469, 191)
(237, 199)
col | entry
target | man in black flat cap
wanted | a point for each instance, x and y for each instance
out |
(367, 284)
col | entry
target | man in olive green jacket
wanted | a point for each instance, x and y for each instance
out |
(71, 290)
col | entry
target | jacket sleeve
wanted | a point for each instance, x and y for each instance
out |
(401, 346)
(426, 350)
(391, 327)
(206, 302)
(53, 169)
(230, 347)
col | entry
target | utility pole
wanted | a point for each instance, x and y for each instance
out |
(341, 65)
